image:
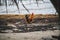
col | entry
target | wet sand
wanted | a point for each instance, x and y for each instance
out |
(37, 35)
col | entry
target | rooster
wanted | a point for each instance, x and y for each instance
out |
(29, 18)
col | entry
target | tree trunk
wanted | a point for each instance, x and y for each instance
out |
(56, 4)
(0, 2)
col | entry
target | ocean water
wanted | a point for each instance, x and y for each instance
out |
(45, 7)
